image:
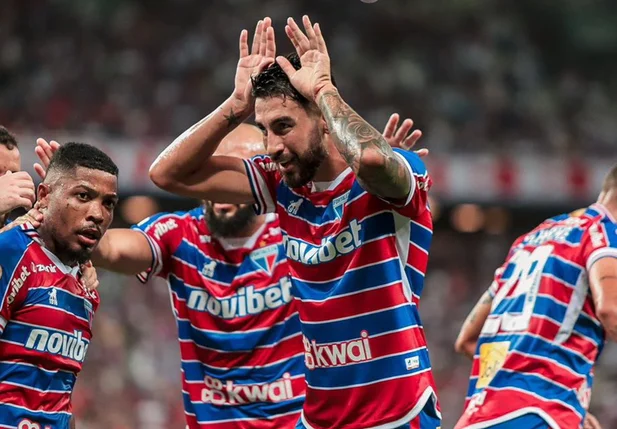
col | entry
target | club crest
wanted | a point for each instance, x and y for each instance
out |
(265, 258)
(339, 204)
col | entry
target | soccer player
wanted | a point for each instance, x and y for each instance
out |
(355, 224)
(46, 311)
(535, 335)
(16, 187)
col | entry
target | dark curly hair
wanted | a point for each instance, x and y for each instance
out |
(7, 139)
(273, 82)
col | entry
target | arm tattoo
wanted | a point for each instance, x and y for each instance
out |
(232, 119)
(353, 136)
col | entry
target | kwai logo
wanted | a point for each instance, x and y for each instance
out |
(246, 301)
(218, 392)
(265, 258)
(331, 247)
(337, 354)
(71, 346)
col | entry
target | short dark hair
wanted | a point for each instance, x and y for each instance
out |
(610, 181)
(7, 139)
(273, 82)
(73, 155)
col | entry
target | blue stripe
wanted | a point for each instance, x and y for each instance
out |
(19, 333)
(535, 346)
(555, 310)
(308, 211)
(13, 245)
(258, 410)
(611, 232)
(352, 281)
(224, 273)
(555, 267)
(384, 321)
(539, 386)
(421, 237)
(366, 372)
(416, 163)
(37, 378)
(66, 301)
(11, 415)
(416, 280)
(239, 341)
(196, 371)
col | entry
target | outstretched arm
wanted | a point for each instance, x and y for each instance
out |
(187, 166)
(472, 327)
(124, 251)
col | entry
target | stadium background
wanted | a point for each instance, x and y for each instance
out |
(517, 101)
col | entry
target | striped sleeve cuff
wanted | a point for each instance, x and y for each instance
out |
(157, 260)
(596, 255)
(264, 203)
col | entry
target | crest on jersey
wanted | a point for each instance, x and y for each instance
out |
(89, 311)
(265, 258)
(339, 204)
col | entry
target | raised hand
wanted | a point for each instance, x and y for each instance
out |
(34, 217)
(45, 151)
(16, 190)
(252, 63)
(591, 422)
(401, 137)
(314, 75)
(89, 278)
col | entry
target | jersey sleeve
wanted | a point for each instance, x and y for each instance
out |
(599, 242)
(164, 233)
(13, 274)
(264, 178)
(416, 201)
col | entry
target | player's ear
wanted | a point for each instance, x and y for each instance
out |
(43, 192)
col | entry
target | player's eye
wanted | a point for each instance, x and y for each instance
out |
(110, 205)
(83, 196)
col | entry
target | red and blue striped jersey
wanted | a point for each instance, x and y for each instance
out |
(45, 324)
(357, 264)
(239, 331)
(542, 338)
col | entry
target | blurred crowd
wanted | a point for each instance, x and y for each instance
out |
(476, 75)
(131, 378)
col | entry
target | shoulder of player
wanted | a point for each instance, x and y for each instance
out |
(14, 240)
(172, 220)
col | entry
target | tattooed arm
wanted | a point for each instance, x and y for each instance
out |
(470, 331)
(365, 150)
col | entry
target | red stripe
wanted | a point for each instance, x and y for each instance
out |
(362, 407)
(499, 403)
(353, 305)
(257, 357)
(42, 359)
(285, 422)
(34, 400)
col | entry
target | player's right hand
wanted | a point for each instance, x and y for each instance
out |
(401, 137)
(254, 62)
(89, 278)
(591, 422)
(45, 151)
(16, 190)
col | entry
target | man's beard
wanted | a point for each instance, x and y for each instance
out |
(308, 164)
(229, 226)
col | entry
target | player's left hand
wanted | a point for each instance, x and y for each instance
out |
(45, 151)
(314, 74)
(34, 216)
(591, 422)
(400, 136)
(89, 278)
